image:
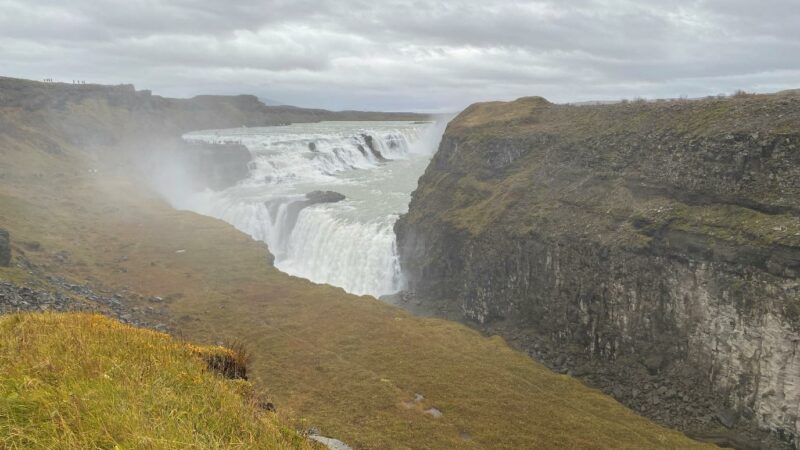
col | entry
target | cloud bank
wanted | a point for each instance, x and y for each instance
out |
(409, 55)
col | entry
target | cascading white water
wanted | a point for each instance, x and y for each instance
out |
(349, 243)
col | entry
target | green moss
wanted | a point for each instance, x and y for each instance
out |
(737, 224)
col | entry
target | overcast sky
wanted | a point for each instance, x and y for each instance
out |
(431, 55)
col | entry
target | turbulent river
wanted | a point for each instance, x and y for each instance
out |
(348, 243)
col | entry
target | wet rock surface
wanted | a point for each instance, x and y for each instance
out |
(370, 141)
(324, 197)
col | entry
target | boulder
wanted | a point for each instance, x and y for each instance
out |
(331, 443)
(727, 417)
(324, 197)
(434, 412)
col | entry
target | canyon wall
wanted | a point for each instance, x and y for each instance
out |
(656, 243)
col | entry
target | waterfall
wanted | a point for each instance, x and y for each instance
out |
(348, 243)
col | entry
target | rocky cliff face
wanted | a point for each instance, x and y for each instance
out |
(655, 246)
(5, 248)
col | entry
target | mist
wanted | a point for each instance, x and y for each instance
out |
(278, 192)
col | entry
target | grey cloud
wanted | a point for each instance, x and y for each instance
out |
(408, 54)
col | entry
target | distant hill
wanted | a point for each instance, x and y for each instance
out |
(142, 112)
(271, 102)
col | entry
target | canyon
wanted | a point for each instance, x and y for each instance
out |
(88, 231)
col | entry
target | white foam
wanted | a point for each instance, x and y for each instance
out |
(350, 244)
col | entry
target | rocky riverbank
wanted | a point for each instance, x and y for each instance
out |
(651, 248)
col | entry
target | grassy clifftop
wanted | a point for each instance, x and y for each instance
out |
(83, 381)
(769, 113)
(679, 164)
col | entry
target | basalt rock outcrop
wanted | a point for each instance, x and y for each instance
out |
(5, 248)
(655, 243)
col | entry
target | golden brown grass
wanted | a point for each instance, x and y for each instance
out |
(77, 381)
(700, 117)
